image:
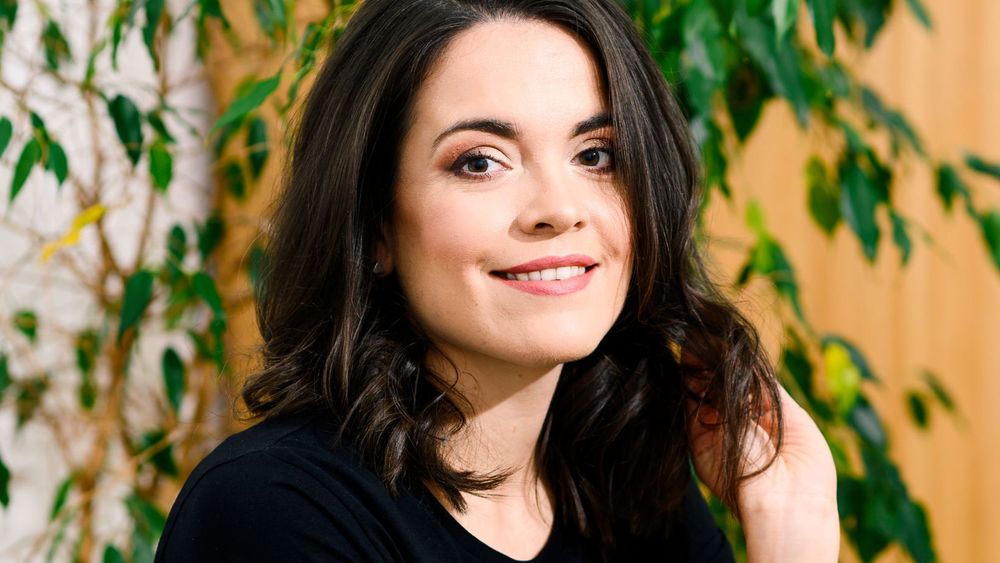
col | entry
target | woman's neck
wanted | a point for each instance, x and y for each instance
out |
(509, 406)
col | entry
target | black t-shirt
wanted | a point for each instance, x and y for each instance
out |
(278, 492)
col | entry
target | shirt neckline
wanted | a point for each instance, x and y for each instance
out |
(476, 547)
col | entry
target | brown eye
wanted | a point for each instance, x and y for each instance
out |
(597, 157)
(479, 165)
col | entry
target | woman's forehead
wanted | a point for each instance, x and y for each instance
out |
(530, 73)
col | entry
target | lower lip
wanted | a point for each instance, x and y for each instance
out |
(551, 287)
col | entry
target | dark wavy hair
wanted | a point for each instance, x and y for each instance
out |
(614, 445)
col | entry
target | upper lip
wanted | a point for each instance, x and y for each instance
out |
(547, 262)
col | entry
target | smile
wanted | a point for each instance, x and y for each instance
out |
(549, 281)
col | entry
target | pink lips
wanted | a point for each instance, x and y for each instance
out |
(551, 287)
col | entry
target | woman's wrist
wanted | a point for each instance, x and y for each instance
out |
(793, 529)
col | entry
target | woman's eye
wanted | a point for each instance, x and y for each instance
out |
(477, 165)
(596, 157)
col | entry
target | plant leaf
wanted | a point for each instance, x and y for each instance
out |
(900, 236)
(940, 393)
(4, 484)
(173, 378)
(983, 167)
(204, 286)
(989, 223)
(58, 163)
(54, 45)
(824, 196)
(161, 165)
(822, 16)
(112, 555)
(128, 125)
(702, 59)
(89, 215)
(6, 130)
(62, 493)
(248, 102)
(918, 409)
(233, 177)
(257, 149)
(138, 292)
(950, 184)
(26, 322)
(154, 10)
(30, 155)
(209, 235)
(785, 13)
(857, 205)
(918, 10)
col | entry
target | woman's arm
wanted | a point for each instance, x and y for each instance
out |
(788, 512)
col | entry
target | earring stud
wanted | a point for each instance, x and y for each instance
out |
(378, 269)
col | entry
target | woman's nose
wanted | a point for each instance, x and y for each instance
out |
(556, 205)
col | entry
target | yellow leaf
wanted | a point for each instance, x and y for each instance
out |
(842, 376)
(89, 215)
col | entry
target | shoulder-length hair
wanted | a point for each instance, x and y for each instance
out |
(614, 445)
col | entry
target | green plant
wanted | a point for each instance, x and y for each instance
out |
(727, 59)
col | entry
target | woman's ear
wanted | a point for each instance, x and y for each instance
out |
(383, 253)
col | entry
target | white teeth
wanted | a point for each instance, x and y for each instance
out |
(549, 274)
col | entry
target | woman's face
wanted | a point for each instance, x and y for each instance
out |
(505, 173)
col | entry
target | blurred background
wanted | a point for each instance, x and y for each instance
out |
(852, 208)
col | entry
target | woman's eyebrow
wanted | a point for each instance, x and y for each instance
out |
(508, 130)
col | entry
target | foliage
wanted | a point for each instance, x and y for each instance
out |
(727, 59)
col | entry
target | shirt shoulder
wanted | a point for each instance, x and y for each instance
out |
(276, 492)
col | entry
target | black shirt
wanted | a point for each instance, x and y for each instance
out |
(278, 492)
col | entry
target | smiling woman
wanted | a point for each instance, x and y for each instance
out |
(488, 333)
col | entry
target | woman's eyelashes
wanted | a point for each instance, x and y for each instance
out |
(478, 165)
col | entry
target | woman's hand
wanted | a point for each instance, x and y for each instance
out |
(788, 512)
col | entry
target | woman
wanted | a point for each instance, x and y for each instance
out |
(488, 333)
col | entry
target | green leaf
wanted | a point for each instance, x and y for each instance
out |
(173, 378)
(28, 398)
(163, 458)
(154, 10)
(62, 493)
(824, 196)
(138, 292)
(780, 62)
(900, 236)
(950, 184)
(149, 520)
(918, 10)
(703, 60)
(87, 347)
(6, 130)
(257, 149)
(5, 380)
(255, 267)
(161, 165)
(843, 378)
(784, 12)
(112, 555)
(867, 424)
(989, 223)
(746, 92)
(26, 322)
(128, 125)
(4, 484)
(858, 200)
(983, 167)
(204, 287)
(176, 250)
(250, 101)
(940, 393)
(54, 45)
(233, 175)
(155, 120)
(918, 409)
(271, 17)
(892, 120)
(822, 16)
(30, 155)
(58, 163)
(209, 235)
